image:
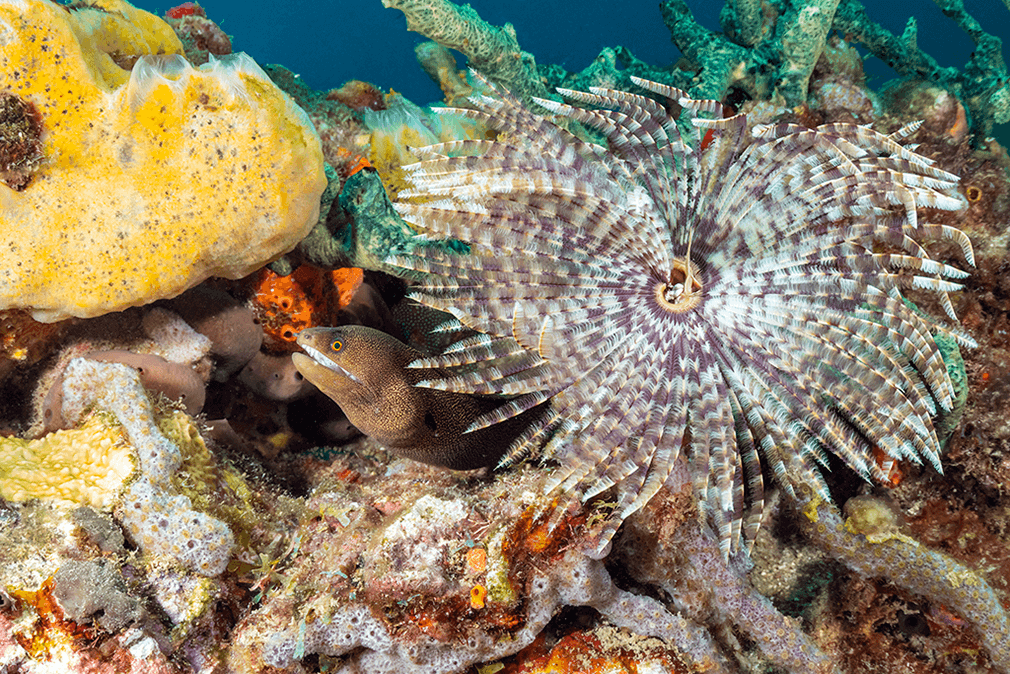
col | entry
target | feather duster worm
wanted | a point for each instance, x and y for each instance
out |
(728, 303)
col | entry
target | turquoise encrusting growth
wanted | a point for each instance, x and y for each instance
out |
(769, 55)
(491, 49)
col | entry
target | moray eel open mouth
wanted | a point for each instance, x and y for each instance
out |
(367, 373)
(317, 357)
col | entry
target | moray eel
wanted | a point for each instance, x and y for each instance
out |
(364, 371)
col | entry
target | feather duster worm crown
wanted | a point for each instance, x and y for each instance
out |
(725, 303)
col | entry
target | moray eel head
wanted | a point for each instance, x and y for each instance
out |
(330, 351)
(361, 369)
(364, 371)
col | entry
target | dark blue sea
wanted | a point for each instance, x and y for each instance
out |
(328, 43)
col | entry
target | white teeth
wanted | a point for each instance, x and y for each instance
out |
(316, 355)
(327, 362)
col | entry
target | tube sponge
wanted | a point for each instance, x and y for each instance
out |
(158, 177)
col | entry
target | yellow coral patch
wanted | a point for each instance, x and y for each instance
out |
(154, 174)
(85, 466)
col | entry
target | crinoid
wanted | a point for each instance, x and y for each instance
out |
(726, 302)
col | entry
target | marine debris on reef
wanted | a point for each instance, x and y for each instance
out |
(178, 498)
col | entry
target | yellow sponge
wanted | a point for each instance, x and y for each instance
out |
(403, 126)
(114, 34)
(85, 466)
(150, 179)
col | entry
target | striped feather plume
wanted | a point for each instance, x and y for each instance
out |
(727, 302)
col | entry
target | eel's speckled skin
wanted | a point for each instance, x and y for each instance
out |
(369, 378)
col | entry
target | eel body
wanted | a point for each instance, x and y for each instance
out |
(365, 372)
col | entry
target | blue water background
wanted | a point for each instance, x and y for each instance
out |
(328, 43)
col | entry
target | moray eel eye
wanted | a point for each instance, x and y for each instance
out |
(337, 345)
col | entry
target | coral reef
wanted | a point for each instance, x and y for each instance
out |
(663, 545)
(24, 341)
(983, 85)
(772, 54)
(274, 377)
(870, 542)
(941, 113)
(402, 126)
(37, 636)
(397, 596)
(20, 140)
(359, 96)
(177, 382)
(169, 362)
(838, 86)
(84, 589)
(603, 649)
(183, 157)
(87, 465)
(307, 297)
(441, 67)
(265, 536)
(339, 126)
(374, 228)
(234, 332)
(200, 36)
(161, 521)
(806, 27)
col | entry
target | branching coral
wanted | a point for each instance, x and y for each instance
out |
(807, 26)
(441, 67)
(492, 50)
(774, 53)
(984, 84)
(870, 542)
